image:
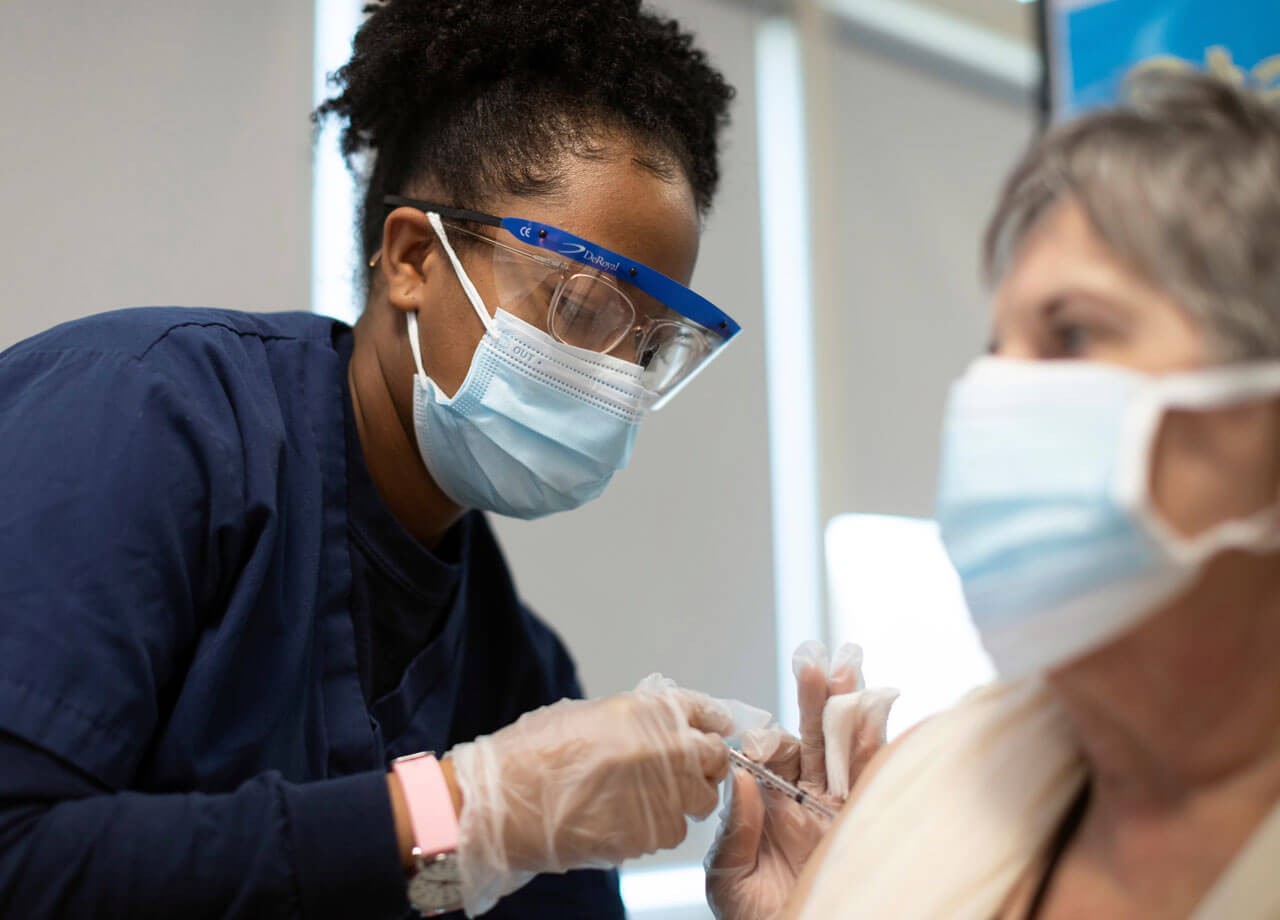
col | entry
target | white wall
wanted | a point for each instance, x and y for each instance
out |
(153, 153)
(921, 158)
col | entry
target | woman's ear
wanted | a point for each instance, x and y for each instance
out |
(1211, 465)
(406, 241)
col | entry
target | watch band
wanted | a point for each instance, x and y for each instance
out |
(426, 795)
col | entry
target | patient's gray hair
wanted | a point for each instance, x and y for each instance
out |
(1183, 183)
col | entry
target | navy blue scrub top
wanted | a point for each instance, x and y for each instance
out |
(214, 635)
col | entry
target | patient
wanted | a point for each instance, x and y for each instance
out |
(1110, 494)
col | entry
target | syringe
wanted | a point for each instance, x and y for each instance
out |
(767, 777)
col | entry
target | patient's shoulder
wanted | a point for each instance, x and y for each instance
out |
(874, 765)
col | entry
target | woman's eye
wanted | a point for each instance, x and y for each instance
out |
(1071, 340)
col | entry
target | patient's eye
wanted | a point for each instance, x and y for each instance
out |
(1071, 340)
(1076, 328)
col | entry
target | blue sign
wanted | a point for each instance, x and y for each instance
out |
(1095, 44)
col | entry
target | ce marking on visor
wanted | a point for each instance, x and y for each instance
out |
(527, 232)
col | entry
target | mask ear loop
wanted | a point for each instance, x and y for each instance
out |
(1197, 390)
(470, 289)
(411, 318)
(472, 294)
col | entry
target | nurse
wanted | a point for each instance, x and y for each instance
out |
(243, 567)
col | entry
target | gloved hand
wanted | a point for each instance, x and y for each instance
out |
(586, 784)
(766, 838)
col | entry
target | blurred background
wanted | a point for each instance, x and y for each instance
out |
(161, 153)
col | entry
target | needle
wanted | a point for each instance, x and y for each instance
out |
(768, 778)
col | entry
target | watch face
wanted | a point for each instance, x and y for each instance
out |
(435, 888)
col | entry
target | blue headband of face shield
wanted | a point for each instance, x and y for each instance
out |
(704, 328)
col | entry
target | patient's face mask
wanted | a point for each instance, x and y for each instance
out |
(537, 426)
(1044, 501)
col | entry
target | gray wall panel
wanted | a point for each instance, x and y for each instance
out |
(153, 153)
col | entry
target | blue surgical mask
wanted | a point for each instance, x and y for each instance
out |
(1044, 502)
(536, 427)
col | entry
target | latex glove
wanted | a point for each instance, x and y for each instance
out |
(586, 784)
(765, 838)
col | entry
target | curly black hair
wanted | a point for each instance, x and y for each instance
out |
(487, 96)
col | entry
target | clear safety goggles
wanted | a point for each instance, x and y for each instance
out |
(591, 298)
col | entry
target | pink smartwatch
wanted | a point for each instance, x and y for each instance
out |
(436, 885)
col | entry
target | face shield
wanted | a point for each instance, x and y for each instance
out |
(591, 298)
